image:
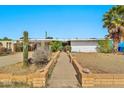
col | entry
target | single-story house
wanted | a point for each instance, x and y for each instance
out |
(84, 45)
(77, 45)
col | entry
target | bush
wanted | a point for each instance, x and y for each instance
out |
(19, 47)
(40, 56)
(104, 46)
(67, 48)
(56, 46)
(5, 51)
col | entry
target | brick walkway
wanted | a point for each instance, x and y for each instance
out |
(63, 75)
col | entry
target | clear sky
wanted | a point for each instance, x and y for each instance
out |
(58, 21)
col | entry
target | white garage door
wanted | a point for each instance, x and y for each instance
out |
(83, 49)
(84, 46)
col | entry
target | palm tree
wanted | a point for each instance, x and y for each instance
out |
(114, 22)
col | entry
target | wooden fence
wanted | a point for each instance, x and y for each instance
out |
(37, 79)
(96, 80)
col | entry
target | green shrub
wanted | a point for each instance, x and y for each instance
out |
(67, 48)
(56, 46)
(104, 46)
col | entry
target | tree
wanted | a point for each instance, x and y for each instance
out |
(6, 39)
(104, 46)
(114, 22)
(25, 49)
(56, 46)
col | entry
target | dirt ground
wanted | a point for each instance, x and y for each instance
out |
(12, 59)
(100, 62)
(18, 69)
(13, 64)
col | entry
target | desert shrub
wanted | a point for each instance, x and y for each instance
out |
(56, 45)
(2, 50)
(40, 56)
(67, 48)
(5, 51)
(104, 46)
(19, 47)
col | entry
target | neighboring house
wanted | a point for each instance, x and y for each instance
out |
(7, 44)
(84, 45)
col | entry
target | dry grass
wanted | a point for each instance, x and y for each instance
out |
(18, 68)
(15, 85)
(101, 63)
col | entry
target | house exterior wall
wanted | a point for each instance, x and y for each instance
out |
(84, 46)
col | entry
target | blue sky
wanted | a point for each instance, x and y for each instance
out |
(58, 21)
